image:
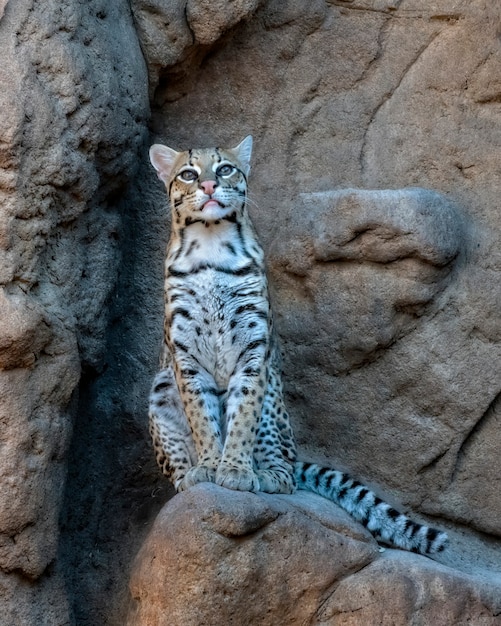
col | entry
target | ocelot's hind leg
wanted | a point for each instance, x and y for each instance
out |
(172, 440)
(274, 446)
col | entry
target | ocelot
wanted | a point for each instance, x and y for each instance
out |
(216, 407)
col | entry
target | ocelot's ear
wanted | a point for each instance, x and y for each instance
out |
(243, 152)
(163, 158)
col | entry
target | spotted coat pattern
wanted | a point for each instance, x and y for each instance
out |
(216, 407)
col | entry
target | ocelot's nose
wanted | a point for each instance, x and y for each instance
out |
(208, 186)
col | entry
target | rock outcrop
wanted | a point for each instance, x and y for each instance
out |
(218, 557)
(243, 558)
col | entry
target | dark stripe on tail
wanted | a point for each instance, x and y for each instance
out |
(384, 522)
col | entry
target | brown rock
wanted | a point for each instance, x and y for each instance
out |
(219, 557)
(209, 20)
(25, 330)
(174, 31)
(70, 132)
(385, 254)
(404, 590)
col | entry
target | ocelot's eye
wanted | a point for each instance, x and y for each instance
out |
(225, 170)
(188, 176)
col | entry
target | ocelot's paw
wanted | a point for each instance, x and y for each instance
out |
(197, 474)
(276, 481)
(237, 478)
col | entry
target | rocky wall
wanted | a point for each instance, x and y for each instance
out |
(399, 287)
(375, 187)
(73, 115)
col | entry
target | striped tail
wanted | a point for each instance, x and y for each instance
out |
(384, 522)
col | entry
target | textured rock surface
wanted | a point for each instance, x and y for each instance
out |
(386, 255)
(182, 32)
(242, 558)
(220, 557)
(71, 130)
(350, 104)
(407, 590)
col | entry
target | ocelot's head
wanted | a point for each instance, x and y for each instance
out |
(207, 184)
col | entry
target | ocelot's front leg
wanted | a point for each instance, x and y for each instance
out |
(174, 449)
(201, 400)
(243, 414)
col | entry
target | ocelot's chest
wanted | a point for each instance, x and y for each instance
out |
(216, 315)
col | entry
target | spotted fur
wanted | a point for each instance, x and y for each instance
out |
(216, 408)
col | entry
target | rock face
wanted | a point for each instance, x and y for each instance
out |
(71, 130)
(386, 255)
(403, 589)
(375, 187)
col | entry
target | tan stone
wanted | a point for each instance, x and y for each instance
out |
(219, 557)
(70, 131)
(405, 590)
(386, 254)
(208, 19)
(25, 331)
(172, 32)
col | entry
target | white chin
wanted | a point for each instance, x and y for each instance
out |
(213, 213)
